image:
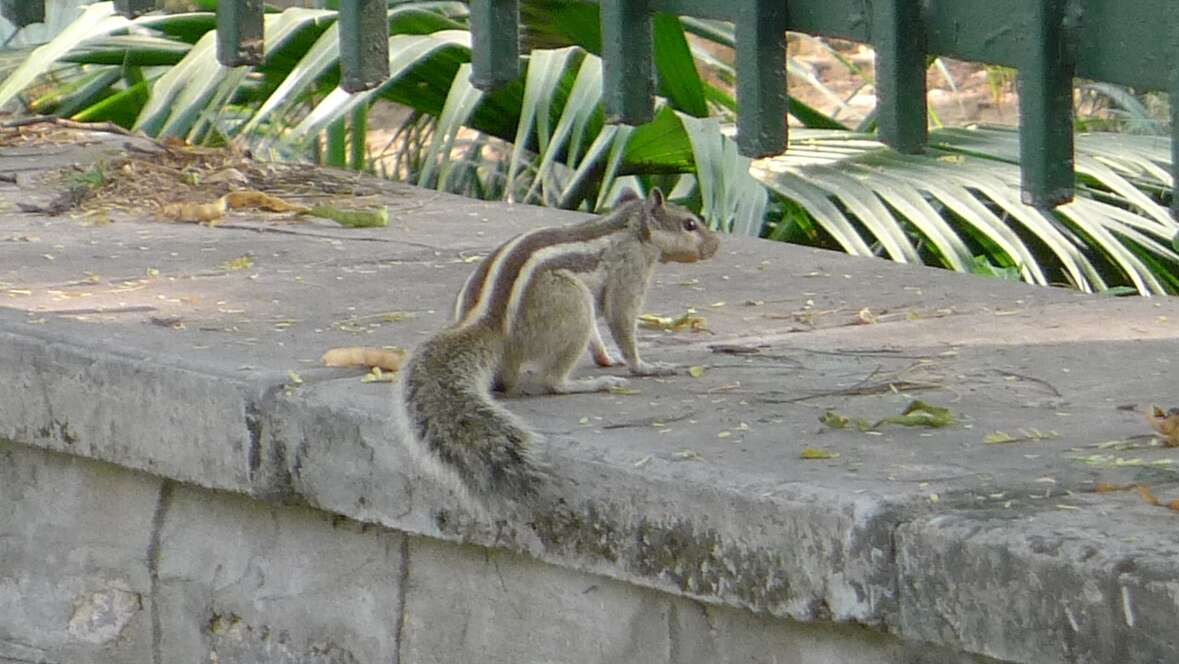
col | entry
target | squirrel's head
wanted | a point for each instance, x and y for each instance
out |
(679, 235)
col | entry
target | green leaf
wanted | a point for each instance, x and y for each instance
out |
(984, 267)
(407, 54)
(661, 145)
(545, 69)
(460, 104)
(921, 414)
(179, 96)
(1119, 291)
(120, 108)
(731, 199)
(128, 50)
(99, 19)
(315, 63)
(66, 99)
(584, 100)
(678, 79)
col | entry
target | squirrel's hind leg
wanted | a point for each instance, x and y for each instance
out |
(556, 340)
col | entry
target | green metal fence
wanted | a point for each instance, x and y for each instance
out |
(1130, 42)
(1049, 42)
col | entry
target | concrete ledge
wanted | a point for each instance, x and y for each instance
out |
(103, 564)
(240, 500)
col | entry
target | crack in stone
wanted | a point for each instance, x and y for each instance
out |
(153, 568)
(402, 590)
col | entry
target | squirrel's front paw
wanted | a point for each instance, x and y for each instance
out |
(581, 385)
(655, 369)
(604, 358)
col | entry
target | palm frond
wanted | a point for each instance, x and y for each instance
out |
(961, 199)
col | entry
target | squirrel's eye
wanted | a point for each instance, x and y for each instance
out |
(689, 225)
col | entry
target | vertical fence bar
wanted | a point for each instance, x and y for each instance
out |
(358, 137)
(495, 43)
(1175, 146)
(898, 36)
(239, 32)
(1174, 99)
(1046, 108)
(760, 30)
(364, 44)
(628, 86)
(133, 8)
(23, 12)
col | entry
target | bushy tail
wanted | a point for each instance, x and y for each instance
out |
(454, 423)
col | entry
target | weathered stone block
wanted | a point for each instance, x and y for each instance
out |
(466, 601)
(707, 634)
(120, 408)
(243, 581)
(73, 537)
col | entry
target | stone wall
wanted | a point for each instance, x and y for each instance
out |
(100, 564)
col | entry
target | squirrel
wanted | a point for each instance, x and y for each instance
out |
(533, 301)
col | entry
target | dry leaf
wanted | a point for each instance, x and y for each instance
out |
(1166, 423)
(363, 356)
(1106, 487)
(257, 200)
(1147, 496)
(194, 212)
(378, 376)
(688, 321)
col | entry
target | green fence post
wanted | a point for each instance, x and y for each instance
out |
(239, 32)
(898, 36)
(1174, 99)
(1046, 108)
(133, 8)
(23, 12)
(495, 43)
(628, 87)
(1175, 147)
(358, 137)
(760, 31)
(364, 44)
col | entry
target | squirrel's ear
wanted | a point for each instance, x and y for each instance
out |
(627, 196)
(654, 199)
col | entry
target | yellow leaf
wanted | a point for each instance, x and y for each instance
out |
(363, 356)
(241, 263)
(816, 453)
(259, 200)
(195, 212)
(695, 372)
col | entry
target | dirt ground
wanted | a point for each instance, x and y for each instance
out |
(959, 92)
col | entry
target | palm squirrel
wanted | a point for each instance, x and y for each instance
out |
(533, 302)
